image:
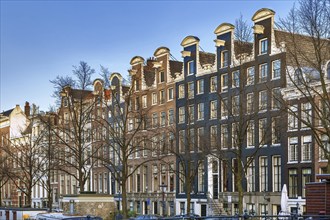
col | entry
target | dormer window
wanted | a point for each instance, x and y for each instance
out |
(161, 77)
(263, 46)
(191, 67)
(224, 58)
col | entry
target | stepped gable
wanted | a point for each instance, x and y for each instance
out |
(175, 67)
(149, 73)
(206, 58)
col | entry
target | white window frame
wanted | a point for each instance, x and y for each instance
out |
(154, 98)
(261, 51)
(200, 86)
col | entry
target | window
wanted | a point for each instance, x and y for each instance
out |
(191, 67)
(154, 98)
(200, 86)
(293, 149)
(306, 178)
(201, 177)
(162, 119)
(191, 138)
(200, 113)
(213, 136)
(263, 98)
(276, 69)
(162, 96)
(224, 58)
(263, 46)
(200, 138)
(130, 124)
(144, 101)
(250, 76)
(235, 79)
(181, 184)
(161, 77)
(213, 84)
(154, 120)
(276, 99)
(181, 141)
(191, 112)
(306, 148)
(137, 103)
(250, 103)
(293, 117)
(306, 115)
(181, 115)
(224, 82)
(181, 91)
(170, 94)
(276, 130)
(170, 142)
(328, 70)
(293, 183)
(191, 90)
(213, 109)
(224, 108)
(224, 136)
(277, 174)
(234, 135)
(250, 134)
(262, 131)
(325, 148)
(251, 175)
(263, 72)
(263, 163)
(235, 105)
(138, 180)
(170, 116)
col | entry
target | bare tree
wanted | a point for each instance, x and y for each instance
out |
(24, 154)
(3, 172)
(306, 33)
(49, 153)
(127, 133)
(239, 144)
(74, 137)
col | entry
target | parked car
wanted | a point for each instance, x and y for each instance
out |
(147, 217)
(58, 216)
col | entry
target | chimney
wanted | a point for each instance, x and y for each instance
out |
(27, 109)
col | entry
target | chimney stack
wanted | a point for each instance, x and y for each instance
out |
(27, 109)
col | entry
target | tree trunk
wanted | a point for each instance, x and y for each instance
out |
(124, 201)
(28, 197)
(50, 195)
(239, 186)
(81, 181)
(188, 192)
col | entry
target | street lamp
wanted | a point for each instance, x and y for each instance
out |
(163, 186)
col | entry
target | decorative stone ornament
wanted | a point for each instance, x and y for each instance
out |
(186, 53)
(219, 43)
(258, 29)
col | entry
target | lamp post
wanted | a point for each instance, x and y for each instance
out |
(163, 187)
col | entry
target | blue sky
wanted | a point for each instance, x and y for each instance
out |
(43, 39)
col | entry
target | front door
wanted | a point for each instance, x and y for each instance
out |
(215, 187)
